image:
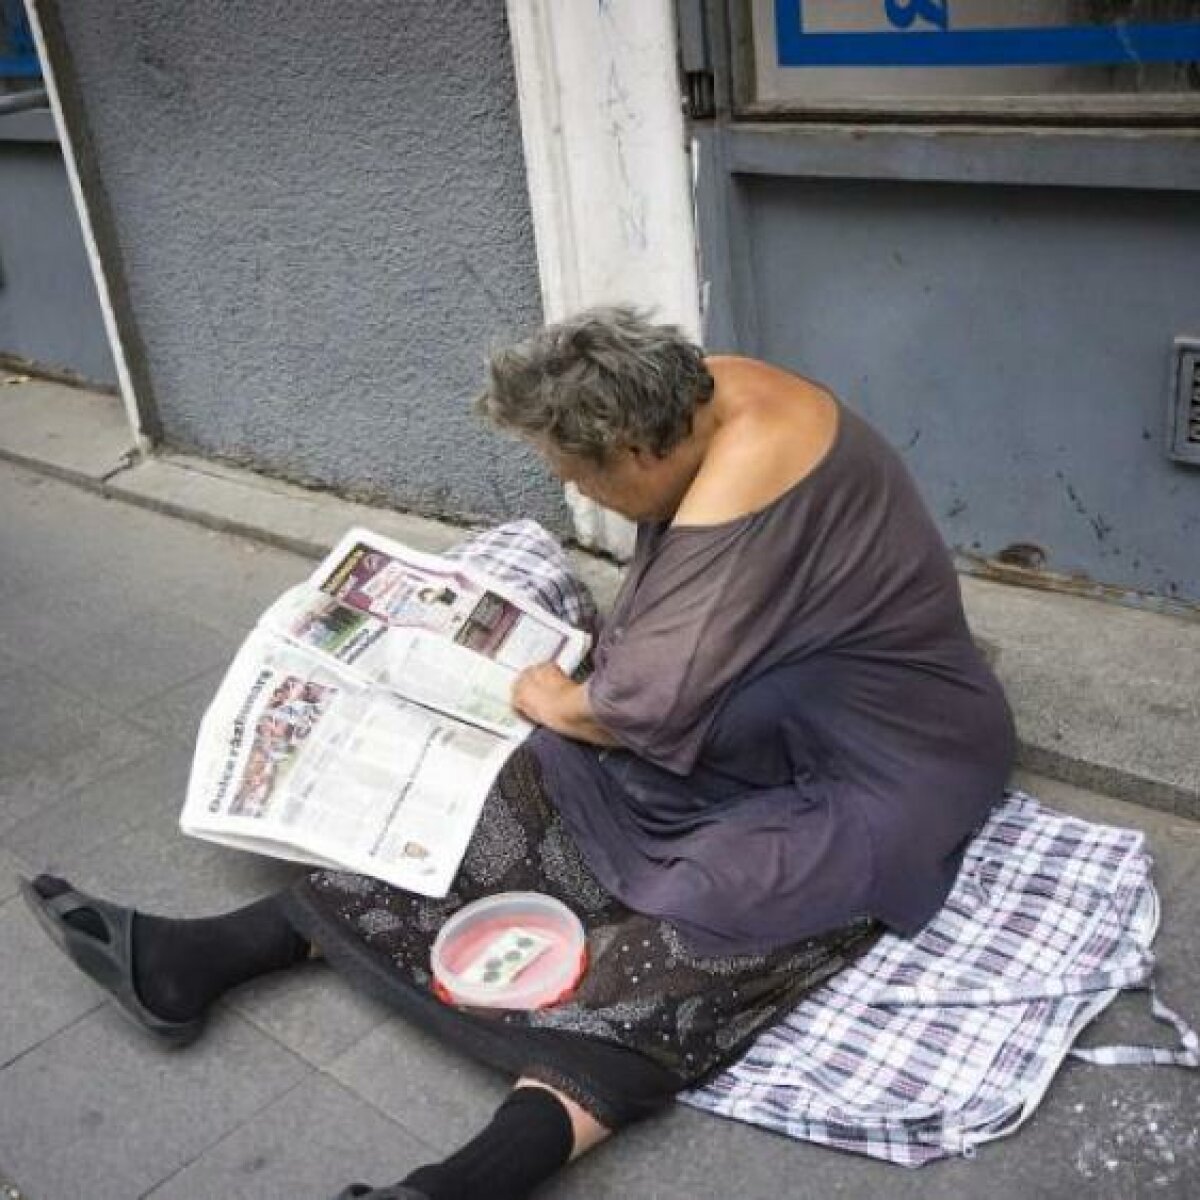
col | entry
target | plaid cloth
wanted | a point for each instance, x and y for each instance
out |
(931, 1045)
(524, 556)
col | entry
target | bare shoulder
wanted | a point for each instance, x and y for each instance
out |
(774, 429)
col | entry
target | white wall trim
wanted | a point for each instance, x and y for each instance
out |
(132, 412)
(609, 175)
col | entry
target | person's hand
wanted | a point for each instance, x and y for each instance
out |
(541, 694)
(548, 696)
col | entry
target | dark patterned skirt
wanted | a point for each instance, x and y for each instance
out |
(648, 1018)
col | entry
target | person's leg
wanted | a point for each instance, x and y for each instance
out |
(586, 1131)
(534, 1133)
(176, 968)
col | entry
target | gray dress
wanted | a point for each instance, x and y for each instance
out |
(810, 737)
(809, 734)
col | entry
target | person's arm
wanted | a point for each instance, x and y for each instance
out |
(546, 696)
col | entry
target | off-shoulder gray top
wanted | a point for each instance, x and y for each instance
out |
(808, 732)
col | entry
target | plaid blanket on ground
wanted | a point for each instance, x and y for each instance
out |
(931, 1045)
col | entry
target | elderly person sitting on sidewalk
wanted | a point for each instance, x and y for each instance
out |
(788, 739)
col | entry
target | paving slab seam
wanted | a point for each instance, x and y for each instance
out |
(1143, 789)
(256, 486)
(247, 1014)
(317, 1069)
(306, 1076)
(107, 485)
(130, 713)
(230, 1006)
(105, 773)
(103, 485)
(220, 524)
(83, 1016)
(100, 844)
(1109, 780)
(330, 1073)
(131, 461)
(435, 1153)
(233, 1131)
(53, 470)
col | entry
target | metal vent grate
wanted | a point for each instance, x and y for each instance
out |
(1183, 416)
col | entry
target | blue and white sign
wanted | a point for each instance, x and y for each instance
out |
(966, 33)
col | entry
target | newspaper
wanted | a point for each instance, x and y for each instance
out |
(364, 720)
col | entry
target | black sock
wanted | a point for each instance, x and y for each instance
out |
(181, 966)
(529, 1138)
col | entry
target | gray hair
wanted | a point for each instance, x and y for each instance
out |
(603, 380)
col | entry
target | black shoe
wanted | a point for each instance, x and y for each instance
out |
(107, 961)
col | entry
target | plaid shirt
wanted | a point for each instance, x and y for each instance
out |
(930, 1045)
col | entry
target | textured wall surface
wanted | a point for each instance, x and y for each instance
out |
(48, 307)
(1013, 343)
(322, 215)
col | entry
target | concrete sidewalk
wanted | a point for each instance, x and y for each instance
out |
(115, 625)
(1104, 696)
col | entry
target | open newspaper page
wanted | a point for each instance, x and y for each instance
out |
(431, 629)
(365, 719)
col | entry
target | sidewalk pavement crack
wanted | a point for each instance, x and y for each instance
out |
(129, 460)
(324, 1071)
(4, 1066)
(224, 1136)
(362, 1098)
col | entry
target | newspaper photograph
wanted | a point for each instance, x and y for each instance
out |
(364, 720)
(432, 631)
(418, 592)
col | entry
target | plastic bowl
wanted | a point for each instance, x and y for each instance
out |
(514, 950)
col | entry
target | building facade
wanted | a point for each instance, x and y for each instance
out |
(976, 221)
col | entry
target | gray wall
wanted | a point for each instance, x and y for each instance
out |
(48, 307)
(320, 218)
(1012, 342)
(1000, 299)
